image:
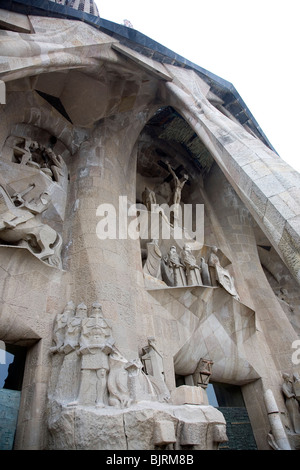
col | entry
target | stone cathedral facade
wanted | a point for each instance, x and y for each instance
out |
(149, 247)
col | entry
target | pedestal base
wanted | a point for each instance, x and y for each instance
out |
(144, 426)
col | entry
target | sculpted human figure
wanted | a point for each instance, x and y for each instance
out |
(23, 150)
(95, 345)
(31, 153)
(173, 262)
(178, 184)
(55, 164)
(152, 265)
(192, 270)
(118, 380)
(291, 402)
(220, 275)
(154, 368)
(149, 198)
(68, 379)
(176, 194)
(60, 327)
(72, 335)
(296, 385)
(205, 272)
(21, 224)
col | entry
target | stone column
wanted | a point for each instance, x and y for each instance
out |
(106, 270)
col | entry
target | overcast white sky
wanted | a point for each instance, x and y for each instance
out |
(253, 44)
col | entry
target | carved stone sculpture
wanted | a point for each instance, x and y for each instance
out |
(23, 149)
(296, 385)
(60, 327)
(72, 336)
(203, 372)
(291, 402)
(118, 381)
(192, 270)
(220, 275)
(152, 266)
(149, 198)
(35, 155)
(95, 345)
(178, 185)
(92, 373)
(154, 368)
(173, 269)
(21, 225)
(66, 389)
(205, 272)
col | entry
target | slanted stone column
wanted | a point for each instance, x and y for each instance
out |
(106, 270)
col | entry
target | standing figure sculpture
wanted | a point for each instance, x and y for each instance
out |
(96, 343)
(192, 270)
(149, 199)
(291, 402)
(152, 266)
(60, 327)
(173, 269)
(205, 272)
(67, 382)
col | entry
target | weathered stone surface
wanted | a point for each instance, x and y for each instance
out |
(110, 121)
(141, 427)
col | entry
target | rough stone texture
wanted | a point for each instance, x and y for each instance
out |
(142, 427)
(104, 104)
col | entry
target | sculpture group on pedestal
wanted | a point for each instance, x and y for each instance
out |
(93, 372)
(184, 270)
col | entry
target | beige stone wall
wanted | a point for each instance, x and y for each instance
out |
(274, 333)
(110, 100)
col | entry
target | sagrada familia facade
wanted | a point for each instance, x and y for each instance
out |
(149, 247)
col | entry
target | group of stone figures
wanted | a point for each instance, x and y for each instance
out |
(90, 371)
(183, 270)
(34, 155)
(21, 213)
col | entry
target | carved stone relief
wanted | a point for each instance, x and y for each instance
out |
(93, 387)
(188, 269)
(33, 188)
(92, 371)
(291, 393)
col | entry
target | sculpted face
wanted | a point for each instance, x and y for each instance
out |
(96, 309)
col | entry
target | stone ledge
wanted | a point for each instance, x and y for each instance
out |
(143, 426)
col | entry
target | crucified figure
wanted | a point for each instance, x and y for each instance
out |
(178, 184)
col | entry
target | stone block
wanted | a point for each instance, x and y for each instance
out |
(164, 433)
(188, 395)
(192, 434)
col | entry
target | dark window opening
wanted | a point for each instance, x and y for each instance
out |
(225, 395)
(12, 364)
(229, 400)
